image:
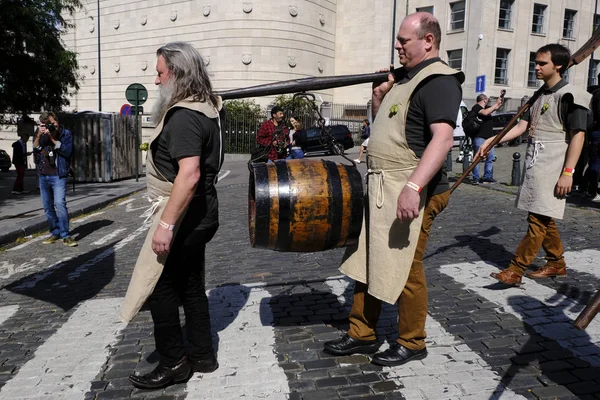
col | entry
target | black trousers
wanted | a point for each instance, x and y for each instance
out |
(182, 283)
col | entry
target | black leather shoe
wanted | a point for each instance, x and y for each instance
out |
(205, 366)
(398, 355)
(348, 345)
(162, 376)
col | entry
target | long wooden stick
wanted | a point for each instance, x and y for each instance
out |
(588, 313)
(577, 57)
(303, 85)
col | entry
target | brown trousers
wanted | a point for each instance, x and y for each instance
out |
(412, 303)
(542, 233)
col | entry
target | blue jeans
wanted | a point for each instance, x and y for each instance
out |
(295, 154)
(53, 190)
(488, 170)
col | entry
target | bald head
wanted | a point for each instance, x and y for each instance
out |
(424, 23)
(418, 39)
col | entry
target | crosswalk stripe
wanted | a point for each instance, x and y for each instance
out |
(248, 365)
(587, 261)
(69, 360)
(28, 242)
(6, 312)
(451, 369)
(548, 312)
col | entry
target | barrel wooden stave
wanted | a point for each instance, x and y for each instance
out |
(304, 205)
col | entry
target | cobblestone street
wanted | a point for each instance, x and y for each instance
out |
(60, 337)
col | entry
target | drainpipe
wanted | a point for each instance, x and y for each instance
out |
(394, 33)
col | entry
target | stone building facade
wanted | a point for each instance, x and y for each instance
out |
(251, 42)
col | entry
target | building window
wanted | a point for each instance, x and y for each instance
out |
(428, 9)
(593, 75)
(505, 14)
(501, 72)
(455, 59)
(532, 81)
(596, 21)
(567, 76)
(569, 24)
(457, 16)
(539, 11)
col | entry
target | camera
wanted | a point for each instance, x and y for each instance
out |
(51, 127)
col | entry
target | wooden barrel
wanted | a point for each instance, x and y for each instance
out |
(304, 205)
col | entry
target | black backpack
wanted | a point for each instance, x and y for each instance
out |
(471, 124)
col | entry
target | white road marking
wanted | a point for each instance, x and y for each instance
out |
(107, 238)
(451, 369)
(64, 366)
(223, 174)
(84, 267)
(587, 261)
(87, 217)
(8, 269)
(129, 208)
(6, 312)
(550, 313)
(29, 241)
(248, 364)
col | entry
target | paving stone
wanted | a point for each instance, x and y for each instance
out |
(584, 388)
(388, 386)
(320, 364)
(352, 391)
(302, 386)
(330, 382)
(365, 378)
(113, 394)
(320, 395)
(551, 392)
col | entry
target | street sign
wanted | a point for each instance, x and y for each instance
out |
(136, 93)
(126, 109)
(480, 84)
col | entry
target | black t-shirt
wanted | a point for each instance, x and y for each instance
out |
(188, 133)
(486, 129)
(436, 99)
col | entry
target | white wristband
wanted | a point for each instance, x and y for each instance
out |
(414, 186)
(163, 224)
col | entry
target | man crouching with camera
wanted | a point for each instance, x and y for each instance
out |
(52, 149)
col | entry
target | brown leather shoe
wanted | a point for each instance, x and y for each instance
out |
(507, 277)
(548, 271)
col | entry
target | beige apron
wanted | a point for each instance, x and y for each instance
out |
(546, 152)
(384, 253)
(149, 266)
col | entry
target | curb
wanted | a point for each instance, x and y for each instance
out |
(39, 224)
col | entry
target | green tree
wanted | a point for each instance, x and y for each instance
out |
(242, 119)
(36, 71)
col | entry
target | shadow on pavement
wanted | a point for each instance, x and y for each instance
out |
(83, 230)
(71, 282)
(479, 243)
(549, 347)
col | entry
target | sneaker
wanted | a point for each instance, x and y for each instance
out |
(51, 239)
(357, 161)
(16, 192)
(70, 242)
(489, 180)
(596, 199)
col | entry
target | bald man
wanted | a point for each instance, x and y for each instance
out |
(415, 113)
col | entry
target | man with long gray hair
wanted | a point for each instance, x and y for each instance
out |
(184, 158)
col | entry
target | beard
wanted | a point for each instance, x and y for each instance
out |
(164, 101)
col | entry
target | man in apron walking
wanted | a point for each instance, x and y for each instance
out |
(410, 138)
(556, 124)
(184, 158)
